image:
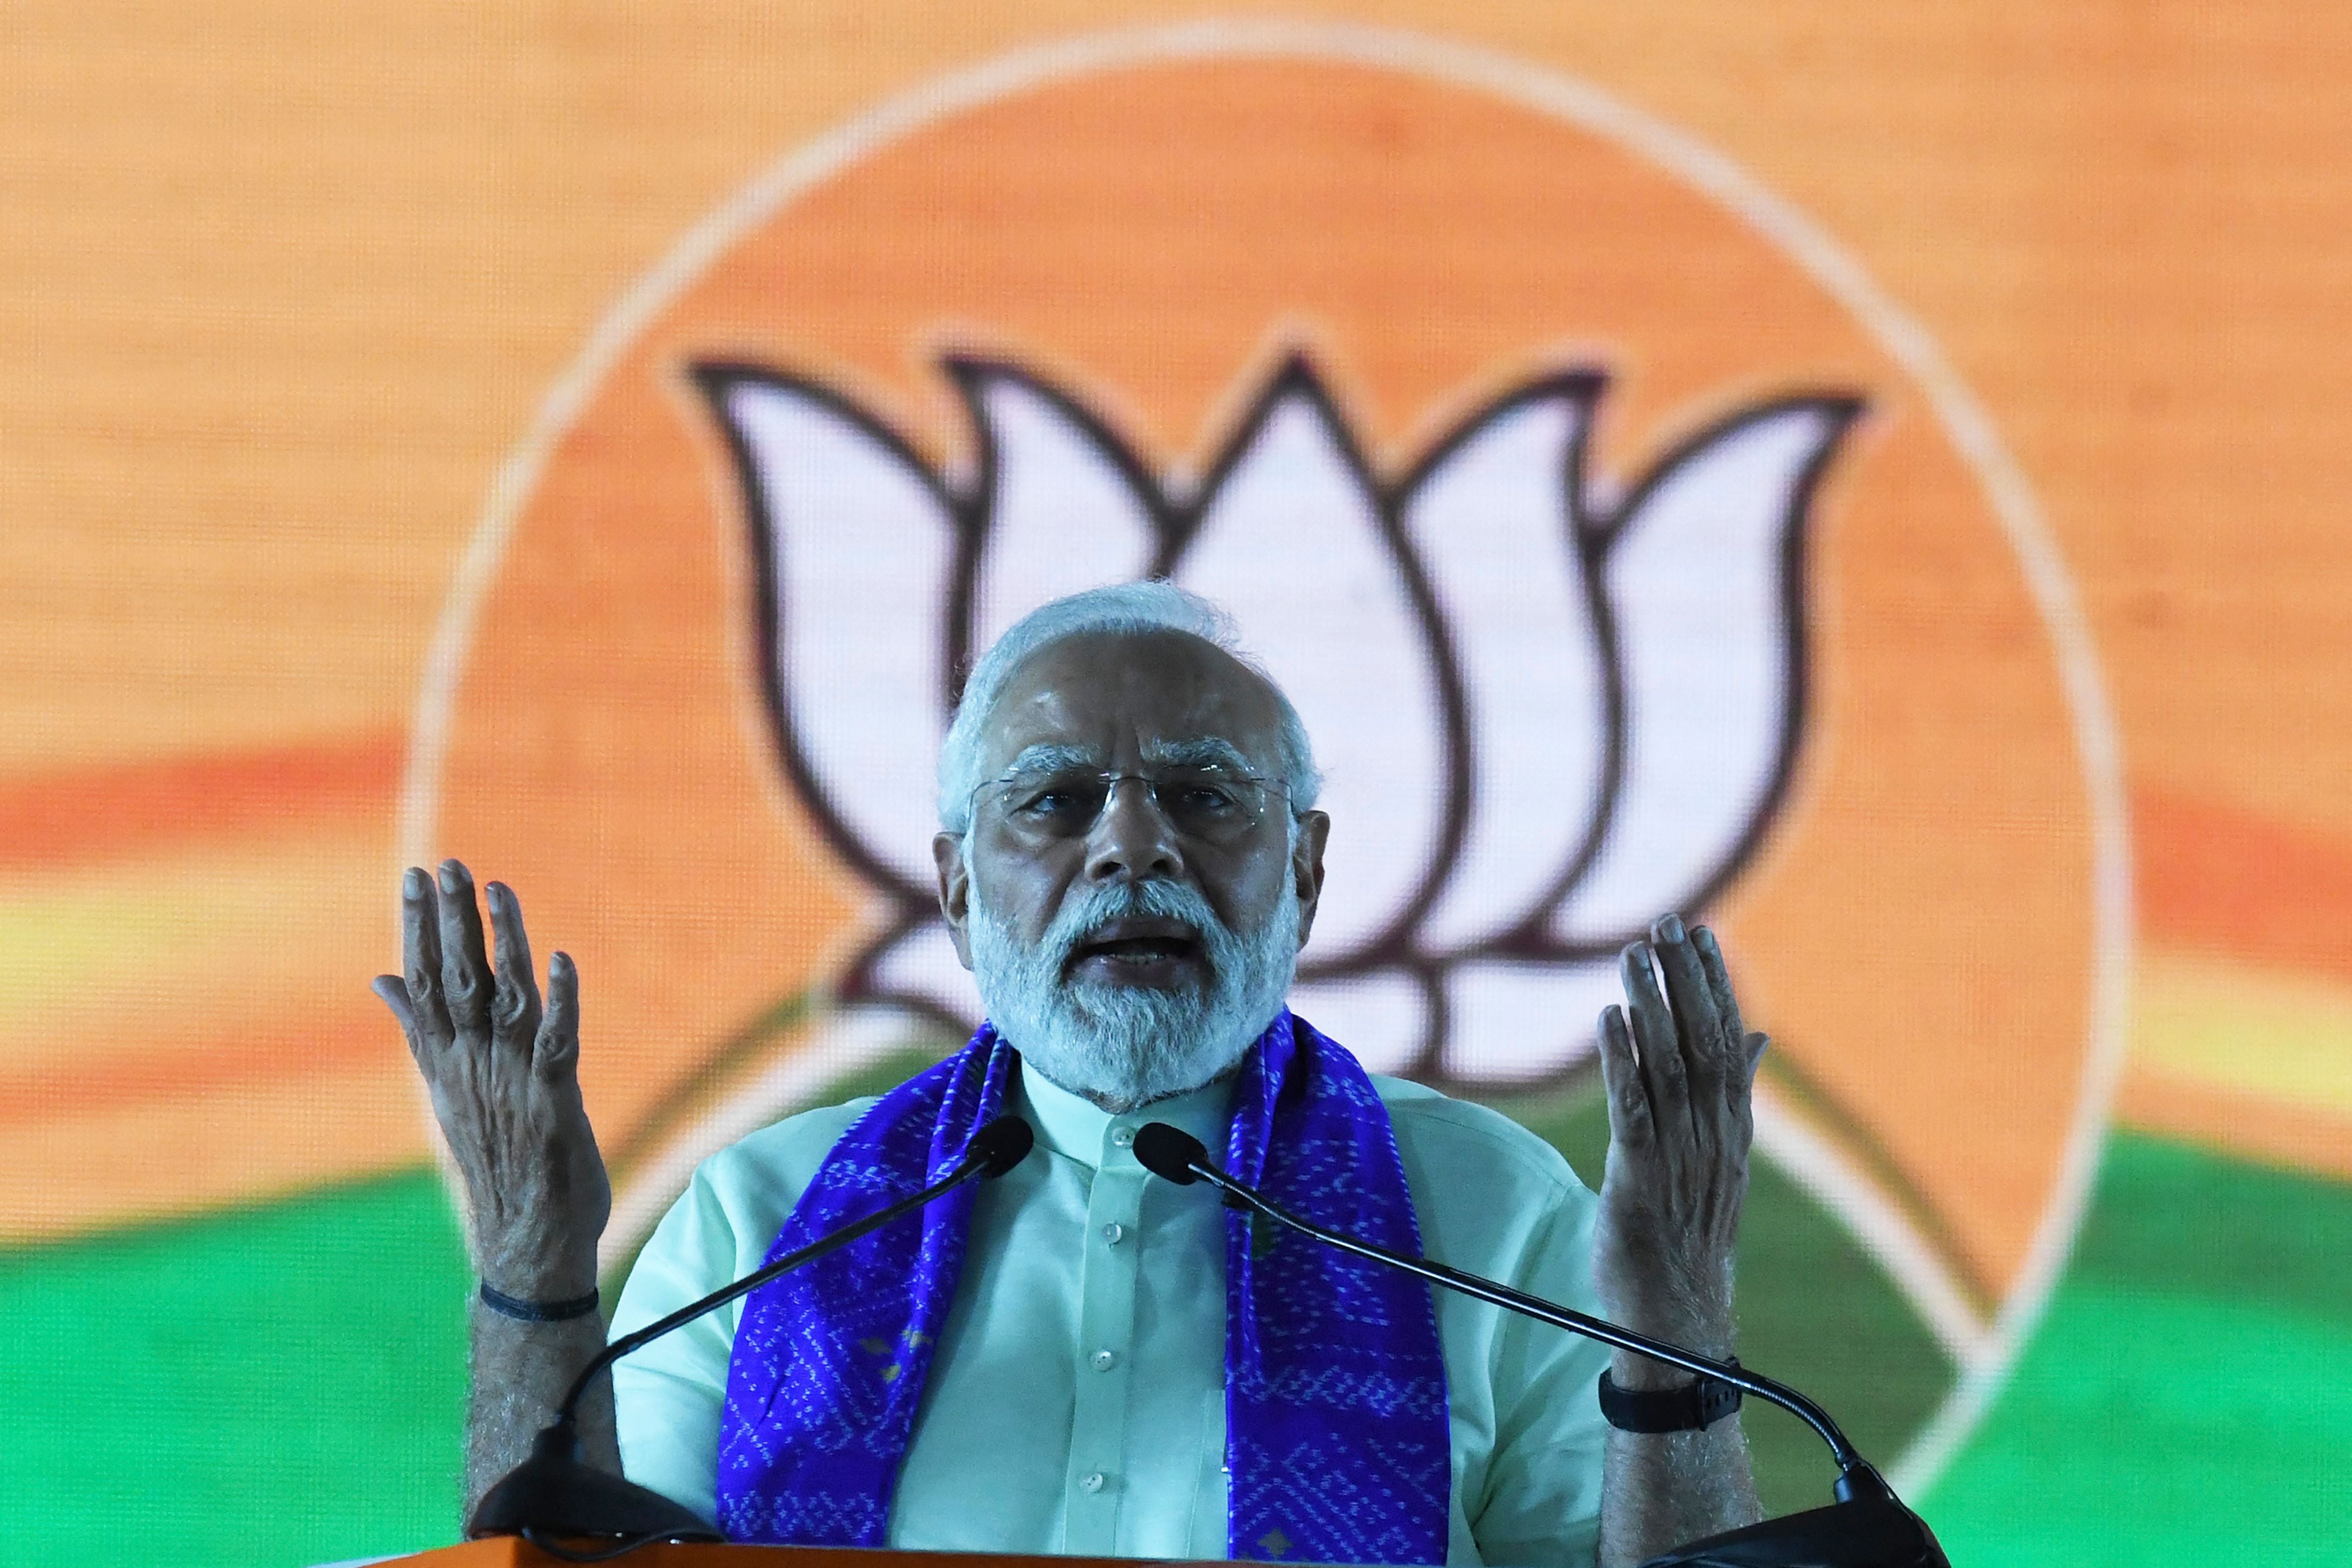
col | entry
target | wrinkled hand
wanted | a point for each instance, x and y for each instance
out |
(504, 1076)
(1678, 1073)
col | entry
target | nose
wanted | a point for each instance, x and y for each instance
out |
(1132, 839)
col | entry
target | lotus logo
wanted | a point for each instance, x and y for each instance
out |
(1548, 708)
(1556, 688)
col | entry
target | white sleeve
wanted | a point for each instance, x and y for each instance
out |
(667, 1396)
(1542, 1508)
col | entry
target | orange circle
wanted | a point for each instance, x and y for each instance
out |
(1919, 932)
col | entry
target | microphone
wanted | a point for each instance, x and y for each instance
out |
(1868, 1526)
(555, 1493)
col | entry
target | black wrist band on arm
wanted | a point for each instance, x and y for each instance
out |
(507, 1306)
(1689, 1408)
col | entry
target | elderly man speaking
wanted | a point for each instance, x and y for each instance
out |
(1086, 1361)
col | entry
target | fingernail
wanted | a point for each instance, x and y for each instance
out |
(450, 881)
(412, 883)
(1669, 928)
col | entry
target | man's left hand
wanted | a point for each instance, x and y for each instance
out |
(1678, 1065)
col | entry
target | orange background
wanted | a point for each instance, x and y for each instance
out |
(271, 310)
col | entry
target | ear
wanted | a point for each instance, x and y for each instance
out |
(1307, 866)
(955, 891)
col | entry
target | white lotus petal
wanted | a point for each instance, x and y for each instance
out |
(922, 966)
(1290, 543)
(1492, 527)
(862, 544)
(1383, 1017)
(1063, 516)
(1507, 1021)
(1699, 580)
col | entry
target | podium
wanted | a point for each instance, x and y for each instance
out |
(507, 1552)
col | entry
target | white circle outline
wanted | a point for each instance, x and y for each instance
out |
(1965, 421)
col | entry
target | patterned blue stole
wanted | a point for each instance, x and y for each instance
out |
(1335, 1427)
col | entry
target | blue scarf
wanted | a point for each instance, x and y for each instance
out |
(1336, 1428)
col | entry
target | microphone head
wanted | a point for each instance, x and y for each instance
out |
(1169, 1153)
(1000, 1145)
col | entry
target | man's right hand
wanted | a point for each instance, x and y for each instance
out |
(503, 1070)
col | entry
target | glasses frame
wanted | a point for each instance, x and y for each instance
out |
(1110, 780)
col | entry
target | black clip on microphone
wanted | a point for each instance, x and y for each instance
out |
(1868, 1527)
(555, 1494)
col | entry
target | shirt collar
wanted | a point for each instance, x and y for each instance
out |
(1078, 1128)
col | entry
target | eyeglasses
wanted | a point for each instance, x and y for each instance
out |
(1211, 805)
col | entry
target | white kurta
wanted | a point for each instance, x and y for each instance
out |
(1076, 1401)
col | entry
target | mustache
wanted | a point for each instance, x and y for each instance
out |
(1096, 906)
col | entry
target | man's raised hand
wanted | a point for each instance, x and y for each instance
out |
(503, 1071)
(1678, 1064)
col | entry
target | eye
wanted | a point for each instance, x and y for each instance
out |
(1041, 802)
(1050, 800)
(1210, 799)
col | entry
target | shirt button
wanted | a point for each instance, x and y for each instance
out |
(1122, 1137)
(1094, 1481)
(1104, 1360)
(1114, 1233)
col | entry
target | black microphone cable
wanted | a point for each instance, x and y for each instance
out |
(554, 1466)
(994, 1150)
(1175, 1155)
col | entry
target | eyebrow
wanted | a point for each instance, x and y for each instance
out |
(1047, 758)
(1199, 752)
(1193, 752)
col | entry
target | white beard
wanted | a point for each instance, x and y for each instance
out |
(1124, 1047)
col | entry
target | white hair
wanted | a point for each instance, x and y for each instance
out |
(1122, 609)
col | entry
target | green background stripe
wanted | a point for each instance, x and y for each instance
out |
(2188, 1397)
(283, 1384)
(273, 1386)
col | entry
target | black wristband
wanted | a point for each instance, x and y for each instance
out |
(506, 1306)
(1689, 1408)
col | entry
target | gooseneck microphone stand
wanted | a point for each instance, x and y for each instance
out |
(555, 1494)
(1868, 1526)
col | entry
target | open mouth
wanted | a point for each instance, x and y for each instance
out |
(1138, 945)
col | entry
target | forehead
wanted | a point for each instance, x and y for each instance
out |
(1115, 695)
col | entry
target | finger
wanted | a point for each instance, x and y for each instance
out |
(1654, 1039)
(394, 992)
(1697, 1030)
(1621, 1075)
(556, 1051)
(1718, 982)
(464, 968)
(1742, 1096)
(1743, 1049)
(514, 1009)
(420, 919)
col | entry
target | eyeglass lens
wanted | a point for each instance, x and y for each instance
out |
(1203, 804)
